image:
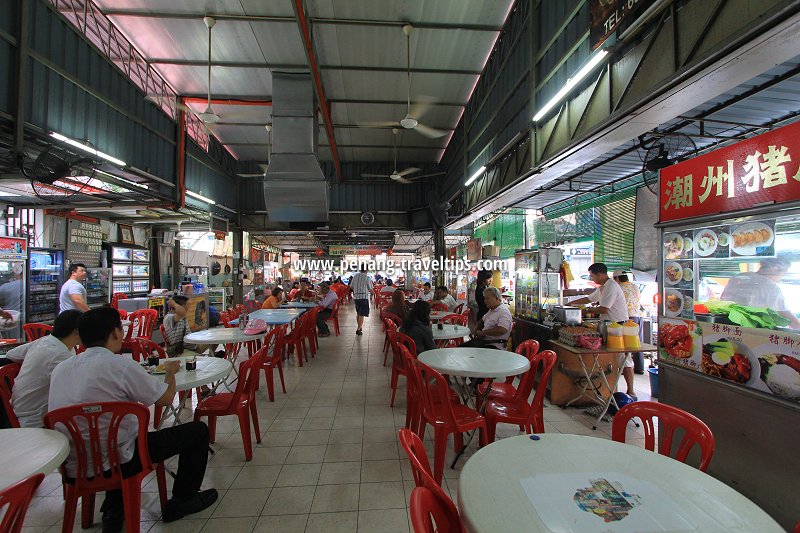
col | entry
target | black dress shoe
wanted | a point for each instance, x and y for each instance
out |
(113, 521)
(177, 509)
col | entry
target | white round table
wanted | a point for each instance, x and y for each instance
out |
(29, 451)
(438, 315)
(209, 370)
(475, 362)
(221, 336)
(574, 483)
(450, 331)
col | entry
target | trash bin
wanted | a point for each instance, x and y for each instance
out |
(653, 373)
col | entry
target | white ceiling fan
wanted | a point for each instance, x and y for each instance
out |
(400, 176)
(414, 113)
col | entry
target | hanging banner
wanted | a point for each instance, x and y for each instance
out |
(758, 171)
(608, 16)
(256, 255)
(474, 250)
(353, 250)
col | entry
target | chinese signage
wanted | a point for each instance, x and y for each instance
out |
(762, 170)
(353, 250)
(13, 248)
(762, 359)
(608, 16)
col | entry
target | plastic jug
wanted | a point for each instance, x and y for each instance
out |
(631, 334)
(615, 336)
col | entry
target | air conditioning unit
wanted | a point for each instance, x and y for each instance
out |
(491, 251)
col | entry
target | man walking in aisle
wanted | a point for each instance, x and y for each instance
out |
(361, 286)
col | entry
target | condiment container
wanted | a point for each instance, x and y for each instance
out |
(615, 336)
(631, 334)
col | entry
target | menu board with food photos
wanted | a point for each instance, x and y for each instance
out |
(761, 359)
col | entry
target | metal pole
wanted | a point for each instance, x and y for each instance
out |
(439, 251)
(21, 72)
(238, 244)
(176, 264)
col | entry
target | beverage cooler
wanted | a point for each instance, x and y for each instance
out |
(537, 285)
(45, 277)
(13, 268)
(729, 333)
(98, 286)
(130, 269)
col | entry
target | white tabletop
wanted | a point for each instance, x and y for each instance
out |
(450, 331)
(517, 484)
(220, 336)
(209, 370)
(438, 315)
(29, 451)
(475, 362)
(274, 316)
(299, 305)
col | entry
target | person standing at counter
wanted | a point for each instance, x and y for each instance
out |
(633, 299)
(760, 289)
(612, 306)
(73, 293)
(480, 285)
(495, 326)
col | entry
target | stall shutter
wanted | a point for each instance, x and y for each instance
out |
(613, 241)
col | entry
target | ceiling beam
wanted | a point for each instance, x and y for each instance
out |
(225, 101)
(387, 146)
(389, 102)
(291, 66)
(308, 45)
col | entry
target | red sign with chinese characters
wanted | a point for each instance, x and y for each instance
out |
(762, 170)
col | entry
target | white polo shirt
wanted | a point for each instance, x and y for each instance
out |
(99, 375)
(610, 295)
(450, 302)
(426, 296)
(499, 316)
(32, 385)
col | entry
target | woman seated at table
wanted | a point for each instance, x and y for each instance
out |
(399, 305)
(274, 300)
(417, 325)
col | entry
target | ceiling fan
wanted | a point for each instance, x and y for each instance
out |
(412, 120)
(263, 166)
(400, 176)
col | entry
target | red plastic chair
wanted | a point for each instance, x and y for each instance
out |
(241, 402)
(413, 392)
(517, 410)
(670, 418)
(445, 416)
(16, 499)
(240, 309)
(276, 341)
(123, 314)
(459, 308)
(116, 297)
(397, 339)
(430, 512)
(295, 339)
(421, 469)
(34, 330)
(388, 325)
(143, 322)
(8, 373)
(455, 318)
(90, 479)
(335, 317)
(439, 307)
(225, 319)
(529, 349)
(310, 330)
(796, 528)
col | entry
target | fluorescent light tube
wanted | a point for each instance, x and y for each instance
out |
(200, 197)
(571, 83)
(475, 176)
(87, 148)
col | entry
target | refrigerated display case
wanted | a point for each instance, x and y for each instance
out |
(130, 269)
(45, 277)
(13, 270)
(537, 285)
(98, 286)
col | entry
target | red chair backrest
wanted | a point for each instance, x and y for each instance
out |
(670, 418)
(225, 318)
(460, 320)
(435, 394)
(390, 324)
(541, 367)
(393, 317)
(413, 378)
(16, 499)
(8, 374)
(90, 450)
(276, 341)
(123, 314)
(116, 297)
(528, 349)
(143, 322)
(240, 309)
(34, 330)
(430, 513)
(408, 342)
(233, 313)
(439, 307)
(149, 348)
(459, 308)
(248, 378)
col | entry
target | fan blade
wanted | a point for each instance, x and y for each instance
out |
(375, 175)
(407, 171)
(378, 124)
(400, 179)
(421, 106)
(250, 175)
(429, 175)
(427, 131)
(243, 114)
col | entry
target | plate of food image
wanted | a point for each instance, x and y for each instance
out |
(673, 302)
(688, 244)
(705, 243)
(747, 238)
(780, 371)
(723, 239)
(673, 245)
(688, 274)
(673, 273)
(731, 360)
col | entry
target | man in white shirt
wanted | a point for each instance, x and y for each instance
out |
(495, 327)
(389, 287)
(361, 285)
(427, 292)
(39, 358)
(443, 296)
(73, 293)
(327, 302)
(612, 306)
(100, 375)
(761, 289)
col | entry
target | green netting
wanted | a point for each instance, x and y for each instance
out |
(506, 230)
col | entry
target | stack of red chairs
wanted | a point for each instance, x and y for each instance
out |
(143, 322)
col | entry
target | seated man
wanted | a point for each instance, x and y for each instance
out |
(427, 292)
(389, 287)
(327, 302)
(176, 328)
(443, 297)
(39, 358)
(100, 375)
(495, 326)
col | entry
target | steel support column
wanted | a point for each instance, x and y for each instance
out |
(180, 156)
(238, 244)
(21, 72)
(439, 250)
(175, 277)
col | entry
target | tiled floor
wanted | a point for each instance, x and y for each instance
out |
(329, 458)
